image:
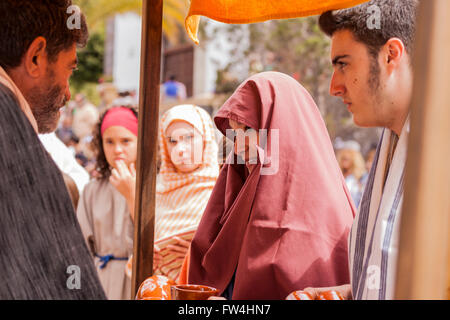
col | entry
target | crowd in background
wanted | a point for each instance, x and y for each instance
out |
(355, 167)
(79, 117)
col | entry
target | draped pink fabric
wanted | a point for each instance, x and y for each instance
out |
(281, 232)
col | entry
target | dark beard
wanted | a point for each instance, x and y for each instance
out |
(45, 104)
(374, 74)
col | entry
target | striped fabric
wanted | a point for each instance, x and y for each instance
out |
(181, 198)
(375, 233)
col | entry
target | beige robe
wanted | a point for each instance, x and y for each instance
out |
(108, 229)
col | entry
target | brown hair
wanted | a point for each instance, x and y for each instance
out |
(22, 21)
(102, 165)
(71, 189)
(397, 19)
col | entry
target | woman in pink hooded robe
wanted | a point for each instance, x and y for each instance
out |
(277, 221)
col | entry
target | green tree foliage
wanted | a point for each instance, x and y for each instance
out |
(300, 49)
(97, 11)
(90, 67)
(90, 62)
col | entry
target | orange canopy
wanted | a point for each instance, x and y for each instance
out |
(250, 11)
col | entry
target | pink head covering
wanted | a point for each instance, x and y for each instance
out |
(279, 232)
(120, 117)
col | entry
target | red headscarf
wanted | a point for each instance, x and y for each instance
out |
(120, 117)
(282, 232)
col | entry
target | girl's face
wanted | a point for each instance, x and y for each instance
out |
(245, 141)
(185, 146)
(119, 144)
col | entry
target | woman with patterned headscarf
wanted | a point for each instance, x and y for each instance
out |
(188, 172)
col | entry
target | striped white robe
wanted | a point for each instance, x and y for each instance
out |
(373, 241)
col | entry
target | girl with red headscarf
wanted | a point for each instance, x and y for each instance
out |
(280, 213)
(105, 207)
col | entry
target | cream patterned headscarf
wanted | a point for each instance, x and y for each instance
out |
(181, 198)
(170, 178)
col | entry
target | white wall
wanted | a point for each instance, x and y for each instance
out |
(215, 55)
(127, 51)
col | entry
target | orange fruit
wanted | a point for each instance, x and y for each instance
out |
(155, 288)
(299, 295)
(330, 295)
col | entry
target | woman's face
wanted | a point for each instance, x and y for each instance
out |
(185, 146)
(345, 160)
(245, 141)
(119, 144)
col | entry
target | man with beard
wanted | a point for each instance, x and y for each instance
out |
(371, 52)
(43, 254)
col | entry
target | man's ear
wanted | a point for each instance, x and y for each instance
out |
(35, 62)
(394, 51)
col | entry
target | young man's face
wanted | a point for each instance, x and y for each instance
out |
(355, 79)
(47, 98)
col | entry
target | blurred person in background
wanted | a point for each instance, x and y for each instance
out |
(370, 155)
(64, 130)
(107, 203)
(72, 144)
(353, 168)
(126, 98)
(108, 94)
(85, 116)
(173, 90)
(72, 189)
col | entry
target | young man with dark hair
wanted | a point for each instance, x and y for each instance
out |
(371, 53)
(43, 254)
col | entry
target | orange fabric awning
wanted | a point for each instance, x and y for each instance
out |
(250, 11)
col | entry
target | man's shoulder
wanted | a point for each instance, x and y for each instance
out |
(10, 109)
(6, 95)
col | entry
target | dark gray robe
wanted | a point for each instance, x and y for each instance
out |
(42, 251)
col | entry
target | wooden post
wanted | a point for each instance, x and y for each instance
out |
(147, 142)
(424, 241)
